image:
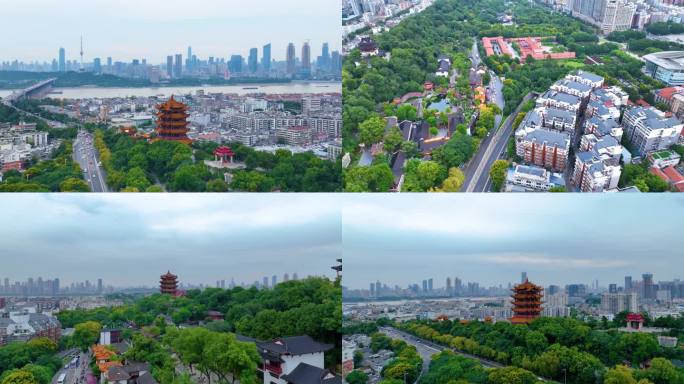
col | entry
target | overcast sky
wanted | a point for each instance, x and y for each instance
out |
(153, 29)
(132, 239)
(491, 239)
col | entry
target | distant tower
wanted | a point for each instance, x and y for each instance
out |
(306, 59)
(290, 59)
(172, 122)
(62, 60)
(266, 58)
(82, 68)
(527, 301)
(338, 268)
(168, 284)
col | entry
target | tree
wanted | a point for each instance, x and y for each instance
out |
(136, 178)
(497, 173)
(392, 139)
(458, 150)
(74, 185)
(358, 358)
(421, 176)
(511, 375)
(454, 181)
(20, 376)
(86, 334)
(406, 112)
(661, 371)
(619, 375)
(189, 178)
(372, 130)
(357, 377)
(225, 355)
(376, 178)
(217, 185)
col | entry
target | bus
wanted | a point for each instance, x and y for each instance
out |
(74, 362)
(61, 378)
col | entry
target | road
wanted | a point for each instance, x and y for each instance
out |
(491, 149)
(85, 155)
(75, 375)
(427, 348)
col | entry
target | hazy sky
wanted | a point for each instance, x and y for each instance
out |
(491, 239)
(132, 239)
(153, 29)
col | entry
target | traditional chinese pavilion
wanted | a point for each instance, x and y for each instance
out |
(224, 154)
(168, 284)
(635, 321)
(527, 301)
(172, 122)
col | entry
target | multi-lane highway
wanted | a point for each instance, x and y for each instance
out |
(86, 156)
(491, 149)
(74, 374)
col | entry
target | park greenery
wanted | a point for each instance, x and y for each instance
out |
(166, 331)
(138, 165)
(32, 362)
(554, 347)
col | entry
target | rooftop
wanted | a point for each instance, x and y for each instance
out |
(673, 60)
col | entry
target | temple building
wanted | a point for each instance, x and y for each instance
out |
(168, 284)
(527, 301)
(172, 122)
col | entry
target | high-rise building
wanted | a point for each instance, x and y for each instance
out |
(612, 288)
(523, 277)
(253, 60)
(274, 281)
(372, 289)
(618, 302)
(306, 59)
(266, 58)
(178, 70)
(336, 63)
(430, 285)
(628, 284)
(62, 60)
(109, 63)
(189, 64)
(264, 283)
(325, 56)
(97, 65)
(290, 59)
(169, 66)
(448, 286)
(425, 286)
(235, 65)
(99, 286)
(649, 288)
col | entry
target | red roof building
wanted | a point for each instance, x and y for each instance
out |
(225, 154)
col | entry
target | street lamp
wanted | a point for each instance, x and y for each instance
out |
(565, 375)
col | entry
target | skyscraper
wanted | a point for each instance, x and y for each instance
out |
(97, 65)
(448, 286)
(290, 58)
(266, 59)
(274, 281)
(325, 57)
(306, 59)
(189, 64)
(628, 283)
(253, 53)
(430, 286)
(99, 285)
(649, 289)
(62, 60)
(169, 66)
(178, 71)
(523, 277)
(235, 65)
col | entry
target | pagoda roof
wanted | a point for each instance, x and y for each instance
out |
(223, 150)
(169, 275)
(527, 286)
(171, 104)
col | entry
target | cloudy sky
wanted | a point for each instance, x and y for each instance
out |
(490, 239)
(153, 29)
(132, 239)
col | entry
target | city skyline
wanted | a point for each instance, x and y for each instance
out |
(175, 26)
(562, 241)
(132, 241)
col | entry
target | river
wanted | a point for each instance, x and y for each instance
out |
(272, 88)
